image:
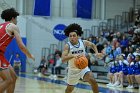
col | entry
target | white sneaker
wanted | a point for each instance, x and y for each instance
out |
(109, 84)
(128, 86)
(51, 76)
(54, 77)
(131, 86)
(115, 84)
(120, 86)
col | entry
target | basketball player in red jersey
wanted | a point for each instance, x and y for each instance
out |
(8, 31)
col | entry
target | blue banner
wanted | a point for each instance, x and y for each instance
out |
(42, 7)
(84, 8)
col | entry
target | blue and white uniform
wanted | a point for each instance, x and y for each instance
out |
(123, 66)
(74, 74)
(114, 67)
(137, 68)
(131, 68)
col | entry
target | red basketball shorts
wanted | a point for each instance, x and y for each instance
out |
(3, 62)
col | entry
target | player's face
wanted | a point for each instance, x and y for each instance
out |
(73, 37)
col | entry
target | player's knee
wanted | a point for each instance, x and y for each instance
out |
(68, 90)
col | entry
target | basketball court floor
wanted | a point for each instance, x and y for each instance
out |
(36, 83)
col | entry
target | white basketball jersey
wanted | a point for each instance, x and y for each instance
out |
(78, 49)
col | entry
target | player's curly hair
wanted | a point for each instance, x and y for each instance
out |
(73, 28)
(8, 14)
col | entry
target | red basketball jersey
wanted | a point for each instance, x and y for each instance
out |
(5, 39)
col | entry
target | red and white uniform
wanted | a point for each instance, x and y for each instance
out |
(5, 39)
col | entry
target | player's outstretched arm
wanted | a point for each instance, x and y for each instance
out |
(15, 31)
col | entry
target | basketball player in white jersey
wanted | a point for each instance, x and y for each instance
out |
(73, 49)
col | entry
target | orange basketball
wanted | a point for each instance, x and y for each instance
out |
(81, 62)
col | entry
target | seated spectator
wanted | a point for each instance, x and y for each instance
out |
(113, 69)
(124, 42)
(137, 69)
(43, 65)
(123, 69)
(137, 20)
(114, 42)
(118, 49)
(112, 55)
(116, 76)
(130, 50)
(17, 64)
(102, 41)
(131, 71)
(118, 36)
(107, 50)
(58, 64)
(126, 51)
(137, 52)
(136, 36)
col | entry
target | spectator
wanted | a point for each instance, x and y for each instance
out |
(126, 51)
(102, 41)
(130, 76)
(114, 42)
(118, 49)
(137, 69)
(112, 55)
(118, 36)
(124, 42)
(17, 64)
(107, 50)
(137, 20)
(137, 52)
(58, 66)
(43, 65)
(113, 75)
(123, 69)
(115, 71)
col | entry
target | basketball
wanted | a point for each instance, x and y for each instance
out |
(81, 62)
